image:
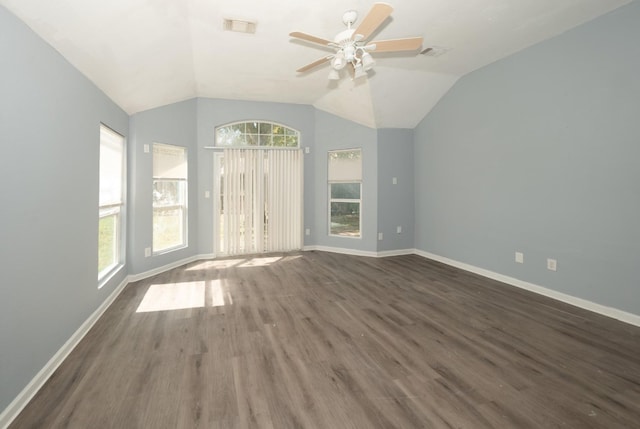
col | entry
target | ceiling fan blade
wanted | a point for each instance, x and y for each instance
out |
(314, 64)
(310, 38)
(396, 45)
(376, 16)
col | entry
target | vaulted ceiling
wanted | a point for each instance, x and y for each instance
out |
(148, 53)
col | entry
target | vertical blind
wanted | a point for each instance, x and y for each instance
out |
(262, 201)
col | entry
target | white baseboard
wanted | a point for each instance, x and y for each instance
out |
(632, 319)
(162, 269)
(171, 266)
(23, 398)
(204, 256)
(341, 250)
(353, 252)
(401, 252)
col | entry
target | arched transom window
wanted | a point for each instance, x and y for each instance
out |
(256, 134)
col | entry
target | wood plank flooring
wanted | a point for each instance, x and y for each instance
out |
(321, 340)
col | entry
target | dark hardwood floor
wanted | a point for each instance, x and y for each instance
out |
(321, 340)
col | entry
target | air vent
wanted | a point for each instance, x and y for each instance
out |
(435, 51)
(239, 26)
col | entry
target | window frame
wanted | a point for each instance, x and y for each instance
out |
(287, 131)
(117, 209)
(184, 211)
(332, 200)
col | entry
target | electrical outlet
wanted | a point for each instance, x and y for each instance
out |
(520, 257)
(394, 180)
(207, 194)
(399, 229)
(552, 265)
(147, 252)
(145, 148)
(379, 236)
(307, 231)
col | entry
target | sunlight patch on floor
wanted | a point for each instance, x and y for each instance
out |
(217, 264)
(241, 262)
(198, 294)
(260, 262)
(173, 296)
(216, 293)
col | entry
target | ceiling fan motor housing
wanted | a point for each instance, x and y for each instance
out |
(344, 37)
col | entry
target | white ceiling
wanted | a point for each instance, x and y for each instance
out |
(148, 53)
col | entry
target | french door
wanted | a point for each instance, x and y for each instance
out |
(258, 195)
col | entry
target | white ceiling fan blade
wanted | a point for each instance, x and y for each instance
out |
(376, 16)
(396, 45)
(310, 38)
(314, 64)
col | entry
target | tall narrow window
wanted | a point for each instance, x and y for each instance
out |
(169, 197)
(258, 182)
(111, 201)
(345, 192)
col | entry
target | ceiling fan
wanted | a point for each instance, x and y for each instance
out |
(352, 47)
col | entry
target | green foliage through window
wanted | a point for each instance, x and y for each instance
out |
(107, 242)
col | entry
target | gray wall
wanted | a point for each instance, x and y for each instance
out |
(539, 153)
(49, 134)
(395, 202)
(334, 133)
(174, 124)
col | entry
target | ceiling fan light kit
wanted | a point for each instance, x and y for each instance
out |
(351, 45)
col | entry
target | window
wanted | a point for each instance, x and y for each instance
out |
(258, 182)
(169, 197)
(111, 201)
(254, 133)
(345, 192)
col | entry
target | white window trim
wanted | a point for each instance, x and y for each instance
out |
(108, 273)
(345, 200)
(184, 207)
(298, 134)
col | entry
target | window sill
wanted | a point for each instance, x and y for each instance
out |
(169, 250)
(110, 274)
